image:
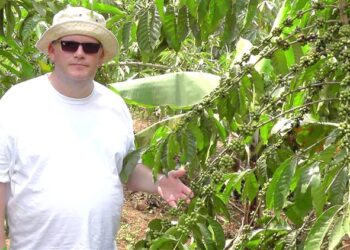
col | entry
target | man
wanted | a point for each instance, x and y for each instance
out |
(63, 138)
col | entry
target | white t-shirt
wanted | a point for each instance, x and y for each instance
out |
(62, 157)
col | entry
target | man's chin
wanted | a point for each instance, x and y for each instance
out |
(80, 76)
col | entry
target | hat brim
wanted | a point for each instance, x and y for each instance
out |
(106, 37)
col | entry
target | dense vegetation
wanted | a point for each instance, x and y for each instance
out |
(275, 132)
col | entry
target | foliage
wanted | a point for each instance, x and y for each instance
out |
(179, 90)
(275, 133)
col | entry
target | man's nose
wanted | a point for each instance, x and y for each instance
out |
(80, 52)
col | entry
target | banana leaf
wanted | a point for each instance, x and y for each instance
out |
(178, 90)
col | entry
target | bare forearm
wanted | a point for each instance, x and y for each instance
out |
(142, 180)
(3, 187)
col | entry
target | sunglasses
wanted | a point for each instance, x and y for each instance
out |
(72, 46)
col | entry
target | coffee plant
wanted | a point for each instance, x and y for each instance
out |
(275, 134)
(272, 139)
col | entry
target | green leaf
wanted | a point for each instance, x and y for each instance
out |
(220, 207)
(233, 182)
(261, 169)
(195, 30)
(218, 10)
(155, 27)
(155, 224)
(293, 214)
(10, 18)
(252, 8)
(156, 168)
(172, 151)
(170, 29)
(258, 83)
(318, 195)
(220, 128)
(141, 245)
(197, 133)
(209, 242)
(203, 10)
(164, 242)
(338, 187)
(346, 220)
(218, 232)
(164, 155)
(188, 146)
(108, 9)
(143, 36)
(160, 7)
(279, 62)
(126, 34)
(8, 56)
(266, 129)
(2, 33)
(143, 137)
(230, 25)
(243, 99)
(251, 186)
(2, 4)
(13, 70)
(28, 26)
(198, 237)
(178, 90)
(319, 230)
(129, 164)
(282, 13)
(336, 234)
(279, 187)
(183, 23)
(192, 6)
(309, 177)
(39, 8)
(283, 183)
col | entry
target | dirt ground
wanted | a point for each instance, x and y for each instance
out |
(139, 209)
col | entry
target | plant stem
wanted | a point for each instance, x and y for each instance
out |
(296, 108)
(297, 90)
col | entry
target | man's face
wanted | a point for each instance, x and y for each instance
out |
(77, 65)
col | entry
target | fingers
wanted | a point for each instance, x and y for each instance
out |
(172, 200)
(187, 199)
(172, 204)
(188, 191)
(177, 173)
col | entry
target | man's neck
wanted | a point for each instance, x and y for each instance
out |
(70, 87)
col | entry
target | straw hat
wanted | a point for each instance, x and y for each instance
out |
(80, 21)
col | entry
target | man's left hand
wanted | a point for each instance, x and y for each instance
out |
(171, 188)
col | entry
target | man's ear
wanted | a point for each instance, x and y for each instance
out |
(51, 53)
(101, 59)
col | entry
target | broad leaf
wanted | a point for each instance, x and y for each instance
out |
(170, 28)
(178, 90)
(143, 35)
(251, 187)
(155, 27)
(252, 8)
(320, 228)
(218, 232)
(183, 23)
(129, 164)
(336, 234)
(279, 187)
(230, 25)
(207, 236)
